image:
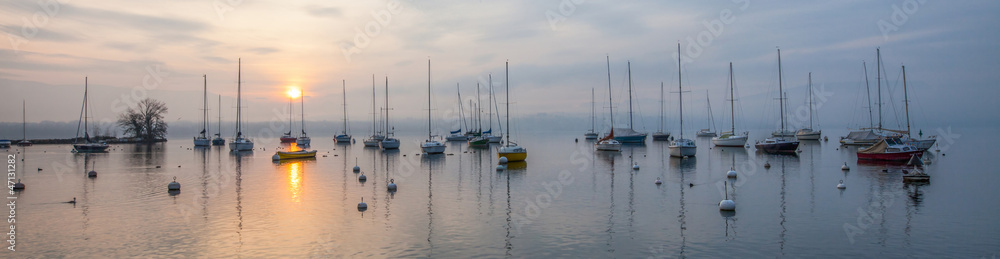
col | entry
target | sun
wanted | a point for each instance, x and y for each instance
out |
(293, 93)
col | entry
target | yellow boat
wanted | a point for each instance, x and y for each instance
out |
(296, 154)
(513, 153)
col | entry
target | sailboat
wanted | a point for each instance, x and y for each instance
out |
(24, 127)
(863, 137)
(303, 139)
(218, 140)
(202, 140)
(809, 133)
(608, 143)
(511, 150)
(239, 143)
(493, 106)
(483, 139)
(681, 147)
(375, 138)
(388, 142)
(593, 114)
(344, 137)
(659, 135)
(87, 147)
(873, 135)
(430, 146)
(922, 144)
(711, 120)
(777, 143)
(287, 137)
(629, 135)
(730, 138)
(456, 135)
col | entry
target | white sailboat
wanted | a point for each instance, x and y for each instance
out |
(809, 133)
(202, 139)
(375, 138)
(430, 146)
(240, 143)
(731, 138)
(388, 142)
(681, 147)
(709, 132)
(608, 143)
(659, 135)
(24, 127)
(922, 144)
(593, 114)
(511, 150)
(629, 135)
(457, 135)
(303, 139)
(87, 146)
(344, 137)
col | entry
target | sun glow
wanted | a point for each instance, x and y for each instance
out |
(293, 92)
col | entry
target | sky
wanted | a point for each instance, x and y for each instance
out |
(557, 52)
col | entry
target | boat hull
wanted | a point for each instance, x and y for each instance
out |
(659, 136)
(389, 143)
(296, 155)
(590, 135)
(783, 133)
(787, 147)
(604, 146)
(682, 151)
(90, 148)
(513, 156)
(432, 147)
(731, 141)
(372, 142)
(479, 142)
(808, 135)
(303, 141)
(287, 139)
(202, 142)
(457, 138)
(240, 146)
(495, 139)
(342, 139)
(894, 156)
(922, 144)
(706, 134)
(218, 142)
(24, 143)
(641, 138)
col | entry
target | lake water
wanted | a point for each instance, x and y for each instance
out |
(565, 201)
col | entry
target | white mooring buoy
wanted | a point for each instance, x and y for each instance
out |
(501, 167)
(731, 173)
(635, 166)
(658, 182)
(845, 167)
(503, 160)
(841, 185)
(727, 204)
(392, 185)
(275, 157)
(174, 186)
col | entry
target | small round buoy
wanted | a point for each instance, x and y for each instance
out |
(658, 182)
(392, 185)
(324, 155)
(174, 186)
(362, 206)
(362, 178)
(727, 205)
(503, 160)
(731, 173)
(841, 185)
(501, 167)
(178, 166)
(39, 169)
(18, 185)
(690, 185)
(275, 157)
(92, 174)
(635, 166)
(356, 167)
(576, 140)
(157, 166)
(845, 167)
(767, 164)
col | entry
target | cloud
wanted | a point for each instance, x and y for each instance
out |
(263, 50)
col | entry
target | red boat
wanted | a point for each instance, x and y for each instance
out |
(889, 149)
(287, 138)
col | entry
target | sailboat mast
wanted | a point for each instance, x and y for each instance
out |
(868, 92)
(732, 100)
(490, 105)
(429, 99)
(86, 133)
(781, 95)
(373, 105)
(204, 121)
(24, 122)
(661, 107)
(506, 79)
(810, 100)
(611, 104)
(593, 110)
(344, 82)
(302, 102)
(220, 115)
(630, 95)
(387, 106)
(906, 102)
(479, 110)
(878, 77)
(239, 98)
(711, 117)
(680, 90)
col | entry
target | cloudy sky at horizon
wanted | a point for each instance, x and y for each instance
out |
(557, 52)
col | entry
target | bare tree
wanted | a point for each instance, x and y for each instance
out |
(145, 120)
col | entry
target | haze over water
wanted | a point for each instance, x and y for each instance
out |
(458, 205)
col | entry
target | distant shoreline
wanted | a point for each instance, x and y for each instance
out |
(108, 140)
